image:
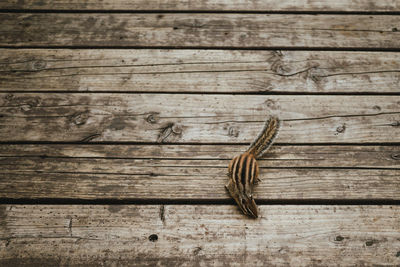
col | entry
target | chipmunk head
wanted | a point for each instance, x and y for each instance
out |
(245, 202)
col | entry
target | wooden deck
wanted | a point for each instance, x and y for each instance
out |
(118, 120)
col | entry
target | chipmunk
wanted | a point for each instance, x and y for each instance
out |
(243, 170)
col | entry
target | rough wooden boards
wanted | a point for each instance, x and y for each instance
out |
(219, 71)
(205, 5)
(198, 235)
(197, 118)
(195, 172)
(290, 156)
(200, 30)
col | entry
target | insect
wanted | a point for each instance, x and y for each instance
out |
(243, 170)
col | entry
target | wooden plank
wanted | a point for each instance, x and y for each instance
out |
(195, 172)
(200, 30)
(136, 180)
(197, 118)
(199, 235)
(220, 71)
(289, 156)
(203, 5)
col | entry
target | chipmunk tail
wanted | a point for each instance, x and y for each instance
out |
(267, 136)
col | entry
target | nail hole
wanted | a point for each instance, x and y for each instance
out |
(369, 243)
(339, 238)
(153, 238)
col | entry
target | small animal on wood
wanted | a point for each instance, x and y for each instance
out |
(243, 170)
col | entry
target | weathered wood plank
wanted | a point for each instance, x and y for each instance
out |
(221, 71)
(203, 5)
(196, 118)
(198, 235)
(127, 180)
(195, 172)
(200, 30)
(290, 156)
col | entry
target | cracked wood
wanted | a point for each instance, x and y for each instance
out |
(196, 118)
(219, 71)
(290, 235)
(200, 30)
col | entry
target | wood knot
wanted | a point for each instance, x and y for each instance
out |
(340, 129)
(9, 97)
(79, 118)
(339, 238)
(152, 117)
(197, 250)
(233, 131)
(271, 104)
(39, 65)
(369, 243)
(377, 108)
(170, 130)
(25, 107)
(395, 124)
(395, 156)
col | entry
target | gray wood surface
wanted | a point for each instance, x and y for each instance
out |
(215, 71)
(290, 156)
(205, 5)
(197, 235)
(200, 30)
(207, 118)
(195, 172)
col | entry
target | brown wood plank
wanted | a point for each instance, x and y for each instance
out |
(204, 5)
(197, 118)
(200, 30)
(289, 156)
(195, 172)
(220, 71)
(199, 235)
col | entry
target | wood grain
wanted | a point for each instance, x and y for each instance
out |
(185, 118)
(198, 235)
(195, 172)
(290, 156)
(213, 71)
(203, 5)
(200, 30)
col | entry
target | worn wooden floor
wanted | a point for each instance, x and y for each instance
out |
(118, 120)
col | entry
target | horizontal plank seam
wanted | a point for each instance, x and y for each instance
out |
(272, 93)
(192, 175)
(256, 48)
(192, 143)
(199, 11)
(113, 201)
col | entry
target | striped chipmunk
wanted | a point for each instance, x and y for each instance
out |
(243, 170)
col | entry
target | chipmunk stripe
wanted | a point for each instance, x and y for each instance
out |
(240, 172)
(234, 171)
(249, 172)
(253, 171)
(244, 172)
